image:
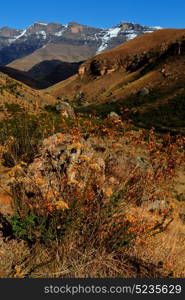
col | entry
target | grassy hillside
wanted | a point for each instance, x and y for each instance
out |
(16, 92)
(115, 80)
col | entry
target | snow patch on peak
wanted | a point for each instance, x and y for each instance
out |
(109, 34)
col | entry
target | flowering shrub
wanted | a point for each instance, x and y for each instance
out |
(84, 180)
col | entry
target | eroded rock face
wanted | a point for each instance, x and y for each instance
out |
(98, 69)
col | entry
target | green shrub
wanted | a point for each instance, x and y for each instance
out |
(33, 228)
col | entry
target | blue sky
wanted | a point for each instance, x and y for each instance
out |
(102, 13)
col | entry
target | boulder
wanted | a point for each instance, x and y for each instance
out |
(144, 91)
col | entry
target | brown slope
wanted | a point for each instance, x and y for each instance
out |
(115, 78)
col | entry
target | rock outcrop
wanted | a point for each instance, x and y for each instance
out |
(65, 109)
(63, 164)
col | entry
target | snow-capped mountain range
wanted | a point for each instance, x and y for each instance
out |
(89, 41)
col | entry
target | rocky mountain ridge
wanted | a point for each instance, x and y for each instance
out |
(15, 43)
